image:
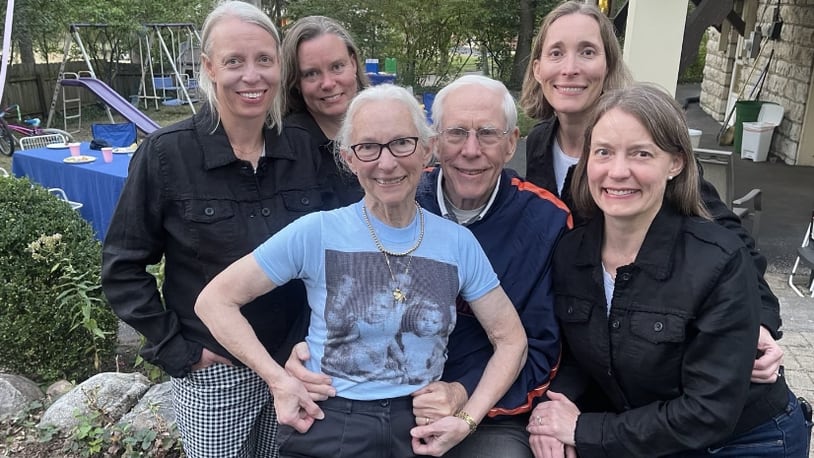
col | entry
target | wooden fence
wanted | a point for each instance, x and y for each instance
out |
(31, 86)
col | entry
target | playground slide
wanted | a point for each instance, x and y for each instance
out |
(115, 101)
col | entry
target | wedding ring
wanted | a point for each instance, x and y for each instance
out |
(427, 420)
(538, 419)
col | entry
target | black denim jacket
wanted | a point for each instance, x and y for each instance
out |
(674, 354)
(189, 199)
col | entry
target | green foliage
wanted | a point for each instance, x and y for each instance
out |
(53, 321)
(97, 435)
(695, 72)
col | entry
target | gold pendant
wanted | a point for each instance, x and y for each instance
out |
(398, 295)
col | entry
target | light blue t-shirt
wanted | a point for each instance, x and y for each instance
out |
(372, 345)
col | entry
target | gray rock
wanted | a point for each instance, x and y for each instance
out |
(111, 393)
(15, 393)
(58, 388)
(155, 410)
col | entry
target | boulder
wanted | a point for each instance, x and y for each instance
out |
(112, 393)
(15, 393)
(154, 410)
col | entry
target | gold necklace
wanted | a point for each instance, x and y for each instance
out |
(398, 294)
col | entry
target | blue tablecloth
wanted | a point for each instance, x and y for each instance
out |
(96, 184)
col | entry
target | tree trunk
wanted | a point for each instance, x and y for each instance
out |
(26, 47)
(525, 35)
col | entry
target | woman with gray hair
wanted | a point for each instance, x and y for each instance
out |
(201, 194)
(347, 259)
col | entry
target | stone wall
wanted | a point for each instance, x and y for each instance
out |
(788, 77)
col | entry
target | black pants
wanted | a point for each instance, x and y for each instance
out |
(354, 429)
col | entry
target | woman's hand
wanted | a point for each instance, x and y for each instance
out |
(293, 404)
(438, 437)
(556, 418)
(318, 385)
(209, 358)
(438, 400)
(767, 366)
(549, 447)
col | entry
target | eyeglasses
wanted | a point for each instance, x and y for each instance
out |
(487, 136)
(400, 147)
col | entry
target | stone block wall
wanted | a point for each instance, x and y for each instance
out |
(788, 77)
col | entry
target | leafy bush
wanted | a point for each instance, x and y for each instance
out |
(54, 322)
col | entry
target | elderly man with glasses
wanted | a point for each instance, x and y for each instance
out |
(518, 225)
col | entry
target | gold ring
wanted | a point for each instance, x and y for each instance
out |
(538, 419)
(427, 420)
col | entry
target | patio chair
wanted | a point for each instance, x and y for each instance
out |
(718, 170)
(60, 194)
(41, 141)
(3, 172)
(116, 134)
(805, 256)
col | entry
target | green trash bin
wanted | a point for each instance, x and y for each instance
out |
(745, 111)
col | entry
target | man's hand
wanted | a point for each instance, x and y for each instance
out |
(318, 385)
(293, 404)
(209, 358)
(438, 400)
(767, 366)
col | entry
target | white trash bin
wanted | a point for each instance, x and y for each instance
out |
(695, 137)
(757, 136)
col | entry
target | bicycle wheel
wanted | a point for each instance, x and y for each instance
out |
(49, 130)
(6, 139)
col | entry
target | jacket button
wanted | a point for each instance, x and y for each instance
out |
(570, 310)
(265, 212)
(625, 276)
(658, 326)
(209, 211)
(615, 324)
(305, 201)
(610, 373)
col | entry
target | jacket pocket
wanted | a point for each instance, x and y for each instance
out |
(213, 232)
(303, 201)
(573, 310)
(658, 327)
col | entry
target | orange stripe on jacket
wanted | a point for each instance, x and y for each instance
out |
(544, 194)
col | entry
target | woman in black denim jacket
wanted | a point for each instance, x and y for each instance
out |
(201, 194)
(658, 305)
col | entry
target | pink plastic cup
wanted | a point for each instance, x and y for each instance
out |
(74, 147)
(107, 154)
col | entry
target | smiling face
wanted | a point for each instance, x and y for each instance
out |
(471, 170)
(627, 173)
(327, 76)
(571, 67)
(244, 67)
(389, 182)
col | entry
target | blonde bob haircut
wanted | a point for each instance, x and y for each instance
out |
(663, 118)
(532, 100)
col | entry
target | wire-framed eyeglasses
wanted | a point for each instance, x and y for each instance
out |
(487, 136)
(399, 147)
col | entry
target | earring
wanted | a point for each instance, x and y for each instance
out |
(669, 177)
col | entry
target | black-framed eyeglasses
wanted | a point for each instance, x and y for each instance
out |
(399, 147)
(487, 136)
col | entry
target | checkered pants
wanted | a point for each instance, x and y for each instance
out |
(225, 411)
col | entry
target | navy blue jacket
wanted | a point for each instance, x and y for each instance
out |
(518, 234)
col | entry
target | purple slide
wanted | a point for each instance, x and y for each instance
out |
(115, 101)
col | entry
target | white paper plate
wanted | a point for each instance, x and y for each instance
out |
(78, 159)
(57, 145)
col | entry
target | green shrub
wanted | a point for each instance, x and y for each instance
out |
(54, 322)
